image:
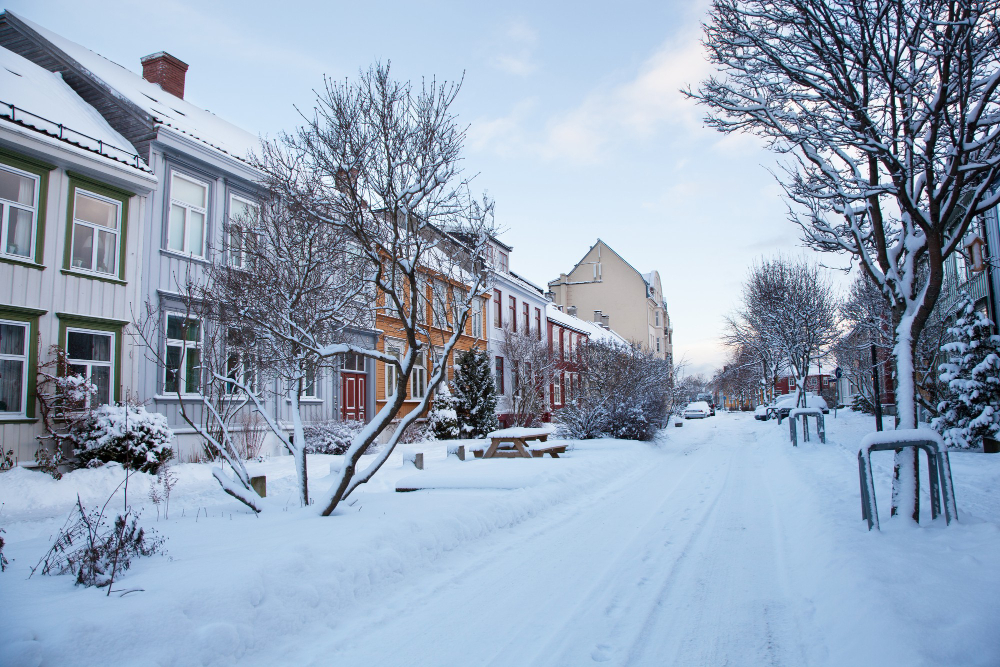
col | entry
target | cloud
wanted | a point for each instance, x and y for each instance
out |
(516, 49)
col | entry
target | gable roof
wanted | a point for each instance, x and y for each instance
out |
(142, 98)
(43, 102)
(615, 253)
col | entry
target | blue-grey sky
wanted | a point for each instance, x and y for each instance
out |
(576, 126)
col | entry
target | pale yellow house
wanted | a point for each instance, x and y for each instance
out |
(605, 287)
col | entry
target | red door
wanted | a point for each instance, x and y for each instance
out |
(353, 396)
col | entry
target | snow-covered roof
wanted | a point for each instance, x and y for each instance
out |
(166, 109)
(49, 102)
(593, 330)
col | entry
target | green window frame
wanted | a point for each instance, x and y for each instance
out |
(28, 316)
(84, 323)
(89, 187)
(40, 171)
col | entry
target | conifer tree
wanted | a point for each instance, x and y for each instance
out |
(475, 394)
(442, 422)
(971, 408)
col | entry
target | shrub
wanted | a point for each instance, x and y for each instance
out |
(442, 422)
(331, 437)
(125, 434)
(583, 419)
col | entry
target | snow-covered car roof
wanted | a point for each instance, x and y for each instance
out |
(698, 405)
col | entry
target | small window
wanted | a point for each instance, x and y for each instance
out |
(183, 355)
(353, 362)
(477, 318)
(504, 261)
(439, 306)
(418, 377)
(499, 376)
(18, 212)
(512, 308)
(188, 212)
(497, 309)
(525, 310)
(96, 226)
(657, 318)
(242, 215)
(13, 367)
(557, 390)
(538, 323)
(657, 343)
(91, 354)
(309, 383)
(391, 372)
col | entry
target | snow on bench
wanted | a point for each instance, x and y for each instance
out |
(523, 432)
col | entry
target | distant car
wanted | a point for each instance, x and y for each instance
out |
(761, 413)
(697, 410)
(707, 398)
(787, 403)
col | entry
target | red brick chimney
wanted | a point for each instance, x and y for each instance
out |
(163, 69)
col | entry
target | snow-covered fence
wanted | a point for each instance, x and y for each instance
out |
(806, 413)
(938, 470)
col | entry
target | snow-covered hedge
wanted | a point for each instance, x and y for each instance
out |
(125, 434)
(332, 437)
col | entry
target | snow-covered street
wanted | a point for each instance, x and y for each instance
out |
(718, 544)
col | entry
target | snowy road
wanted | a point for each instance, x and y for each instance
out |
(687, 561)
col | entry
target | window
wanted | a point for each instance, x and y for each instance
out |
(791, 383)
(477, 317)
(538, 322)
(238, 367)
(188, 209)
(18, 211)
(89, 353)
(439, 307)
(557, 390)
(657, 343)
(353, 362)
(242, 213)
(421, 300)
(499, 376)
(14, 339)
(512, 309)
(562, 344)
(309, 383)
(497, 309)
(525, 310)
(418, 377)
(183, 358)
(657, 318)
(504, 261)
(96, 227)
(391, 372)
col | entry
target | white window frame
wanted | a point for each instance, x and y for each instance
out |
(5, 206)
(97, 230)
(418, 376)
(235, 252)
(557, 398)
(90, 363)
(309, 389)
(395, 349)
(185, 345)
(439, 305)
(187, 215)
(23, 358)
(477, 317)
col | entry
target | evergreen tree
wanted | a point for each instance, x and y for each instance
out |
(442, 422)
(971, 408)
(475, 394)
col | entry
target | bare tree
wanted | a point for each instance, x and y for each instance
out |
(532, 365)
(889, 112)
(380, 163)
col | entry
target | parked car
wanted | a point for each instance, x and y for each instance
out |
(761, 413)
(708, 399)
(786, 404)
(697, 410)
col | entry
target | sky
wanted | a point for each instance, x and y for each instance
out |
(576, 126)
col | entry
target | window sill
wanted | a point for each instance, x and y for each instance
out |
(93, 276)
(184, 256)
(17, 419)
(9, 259)
(172, 398)
(307, 401)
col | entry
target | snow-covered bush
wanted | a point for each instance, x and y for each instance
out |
(971, 408)
(860, 403)
(583, 420)
(631, 422)
(442, 421)
(125, 434)
(331, 437)
(476, 394)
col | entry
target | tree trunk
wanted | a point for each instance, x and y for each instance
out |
(906, 468)
(299, 444)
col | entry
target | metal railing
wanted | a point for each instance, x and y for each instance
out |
(67, 134)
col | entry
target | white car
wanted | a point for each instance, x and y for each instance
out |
(697, 410)
(787, 403)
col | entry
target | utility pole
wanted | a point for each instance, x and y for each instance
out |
(878, 393)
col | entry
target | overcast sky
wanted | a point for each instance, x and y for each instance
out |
(577, 128)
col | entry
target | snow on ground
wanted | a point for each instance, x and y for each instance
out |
(718, 544)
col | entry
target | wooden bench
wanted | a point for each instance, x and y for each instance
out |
(554, 451)
(518, 446)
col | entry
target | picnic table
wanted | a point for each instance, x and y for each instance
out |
(513, 443)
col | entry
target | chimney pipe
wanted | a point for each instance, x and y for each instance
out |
(166, 71)
(571, 310)
(597, 316)
(606, 321)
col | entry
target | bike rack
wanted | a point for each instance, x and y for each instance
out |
(805, 413)
(938, 469)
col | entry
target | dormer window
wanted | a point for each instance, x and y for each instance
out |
(503, 261)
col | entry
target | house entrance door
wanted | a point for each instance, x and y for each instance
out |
(353, 396)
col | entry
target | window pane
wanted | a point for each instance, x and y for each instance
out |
(17, 188)
(83, 247)
(107, 251)
(11, 377)
(19, 232)
(173, 365)
(192, 371)
(88, 346)
(12, 338)
(197, 231)
(184, 190)
(175, 327)
(100, 376)
(96, 211)
(175, 240)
